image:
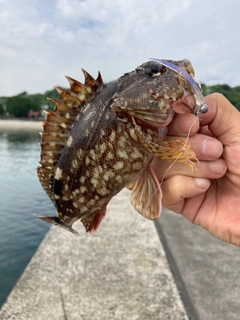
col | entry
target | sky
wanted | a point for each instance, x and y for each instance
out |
(41, 41)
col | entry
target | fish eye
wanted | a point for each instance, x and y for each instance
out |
(155, 69)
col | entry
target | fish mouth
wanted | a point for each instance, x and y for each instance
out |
(159, 118)
(152, 119)
(186, 104)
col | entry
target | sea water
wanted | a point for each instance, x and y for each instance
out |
(21, 196)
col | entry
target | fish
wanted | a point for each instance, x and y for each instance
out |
(101, 138)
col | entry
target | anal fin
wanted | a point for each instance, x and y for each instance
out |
(93, 220)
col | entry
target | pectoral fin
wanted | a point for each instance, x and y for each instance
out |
(168, 150)
(173, 150)
(147, 194)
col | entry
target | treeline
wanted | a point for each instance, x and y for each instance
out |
(231, 93)
(19, 106)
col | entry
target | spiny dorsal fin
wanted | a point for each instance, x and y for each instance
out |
(95, 84)
(99, 78)
(59, 122)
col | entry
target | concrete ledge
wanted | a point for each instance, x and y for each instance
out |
(19, 125)
(118, 273)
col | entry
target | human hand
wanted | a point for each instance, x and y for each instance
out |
(209, 196)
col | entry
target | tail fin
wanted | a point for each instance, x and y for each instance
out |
(57, 222)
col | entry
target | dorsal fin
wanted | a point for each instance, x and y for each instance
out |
(59, 122)
(99, 78)
(91, 82)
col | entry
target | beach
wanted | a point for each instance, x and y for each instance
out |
(19, 125)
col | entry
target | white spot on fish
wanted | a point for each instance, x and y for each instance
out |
(82, 97)
(69, 141)
(75, 164)
(122, 142)
(63, 125)
(118, 165)
(109, 156)
(102, 133)
(122, 153)
(137, 166)
(112, 136)
(58, 174)
(93, 155)
(107, 175)
(82, 179)
(83, 189)
(103, 191)
(79, 153)
(136, 153)
(81, 199)
(103, 148)
(119, 179)
(94, 182)
(75, 204)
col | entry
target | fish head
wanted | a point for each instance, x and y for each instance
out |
(153, 93)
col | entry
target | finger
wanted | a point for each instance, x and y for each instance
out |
(205, 147)
(174, 195)
(203, 169)
(205, 130)
(182, 123)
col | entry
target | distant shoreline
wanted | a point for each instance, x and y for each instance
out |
(20, 125)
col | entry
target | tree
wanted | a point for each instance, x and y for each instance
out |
(2, 112)
(19, 106)
(231, 93)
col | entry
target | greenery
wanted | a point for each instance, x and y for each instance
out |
(19, 105)
(231, 93)
(1, 110)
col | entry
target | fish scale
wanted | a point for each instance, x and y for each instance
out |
(101, 138)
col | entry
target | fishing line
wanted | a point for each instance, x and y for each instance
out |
(129, 238)
(184, 146)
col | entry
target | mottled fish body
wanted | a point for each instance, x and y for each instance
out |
(103, 137)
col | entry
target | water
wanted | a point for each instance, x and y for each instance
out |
(21, 196)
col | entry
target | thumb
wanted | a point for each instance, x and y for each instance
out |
(222, 119)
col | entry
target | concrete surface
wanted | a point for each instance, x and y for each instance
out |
(16, 125)
(209, 268)
(119, 273)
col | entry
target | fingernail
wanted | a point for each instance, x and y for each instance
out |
(211, 148)
(202, 183)
(217, 167)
